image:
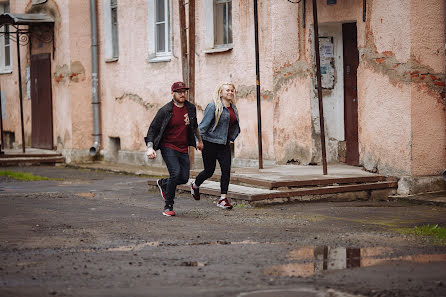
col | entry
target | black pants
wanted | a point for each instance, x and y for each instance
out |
(211, 153)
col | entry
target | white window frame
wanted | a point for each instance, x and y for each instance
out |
(5, 42)
(211, 46)
(155, 56)
(111, 40)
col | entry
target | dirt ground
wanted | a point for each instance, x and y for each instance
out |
(102, 234)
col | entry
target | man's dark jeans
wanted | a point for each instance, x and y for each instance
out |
(178, 165)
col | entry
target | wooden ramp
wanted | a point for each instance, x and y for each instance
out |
(17, 159)
(284, 183)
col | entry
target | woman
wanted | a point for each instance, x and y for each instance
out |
(219, 127)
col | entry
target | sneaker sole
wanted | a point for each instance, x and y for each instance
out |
(193, 193)
(168, 215)
(161, 189)
(224, 207)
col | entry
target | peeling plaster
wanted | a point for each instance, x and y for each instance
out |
(75, 73)
(137, 99)
(289, 72)
(245, 91)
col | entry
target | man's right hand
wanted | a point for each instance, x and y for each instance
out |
(151, 154)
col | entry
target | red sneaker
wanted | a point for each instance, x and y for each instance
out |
(158, 183)
(224, 203)
(195, 192)
(168, 211)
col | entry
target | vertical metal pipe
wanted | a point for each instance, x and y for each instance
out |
(183, 39)
(20, 88)
(192, 64)
(364, 10)
(2, 146)
(304, 14)
(192, 51)
(259, 109)
(319, 86)
(94, 78)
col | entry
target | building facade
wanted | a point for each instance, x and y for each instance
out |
(382, 65)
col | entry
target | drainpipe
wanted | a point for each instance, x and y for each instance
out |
(94, 78)
(444, 89)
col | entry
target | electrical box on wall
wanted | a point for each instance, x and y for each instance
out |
(331, 1)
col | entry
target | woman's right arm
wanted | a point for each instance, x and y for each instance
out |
(208, 117)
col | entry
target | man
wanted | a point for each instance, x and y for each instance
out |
(173, 130)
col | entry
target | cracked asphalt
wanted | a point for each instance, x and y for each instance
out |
(95, 233)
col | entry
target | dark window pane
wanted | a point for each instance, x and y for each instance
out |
(160, 38)
(230, 22)
(160, 11)
(115, 39)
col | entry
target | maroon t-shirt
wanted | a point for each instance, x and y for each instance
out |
(232, 117)
(175, 136)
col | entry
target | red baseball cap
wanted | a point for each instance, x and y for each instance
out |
(179, 85)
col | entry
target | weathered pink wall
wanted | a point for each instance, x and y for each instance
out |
(400, 78)
(428, 116)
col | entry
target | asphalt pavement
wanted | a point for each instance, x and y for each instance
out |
(96, 233)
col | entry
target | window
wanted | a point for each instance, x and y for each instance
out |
(5, 44)
(218, 25)
(111, 30)
(222, 22)
(162, 27)
(159, 30)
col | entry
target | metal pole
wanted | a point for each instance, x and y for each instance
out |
(20, 90)
(2, 145)
(319, 86)
(192, 64)
(183, 38)
(259, 109)
(94, 79)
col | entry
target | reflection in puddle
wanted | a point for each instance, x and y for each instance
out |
(314, 260)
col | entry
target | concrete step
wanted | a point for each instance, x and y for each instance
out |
(31, 160)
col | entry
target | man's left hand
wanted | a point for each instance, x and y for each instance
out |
(200, 145)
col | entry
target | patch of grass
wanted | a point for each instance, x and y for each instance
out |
(434, 232)
(242, 205)
(24, 176)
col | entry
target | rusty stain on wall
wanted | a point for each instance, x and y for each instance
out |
(137, 99)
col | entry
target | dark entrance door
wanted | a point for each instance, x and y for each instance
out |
(351, 61)
(41, 102)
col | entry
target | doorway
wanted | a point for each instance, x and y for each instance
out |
(351, 62)
(41, 102)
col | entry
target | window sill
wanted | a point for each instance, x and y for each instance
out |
(6, 71)
(159, 59)
(111, 60)
(218, 49)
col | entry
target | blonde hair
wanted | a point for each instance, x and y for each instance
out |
(218, 103)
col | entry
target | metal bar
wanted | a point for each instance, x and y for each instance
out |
(259, 109)
(20, 91)
(304, 14)
(183, 38)
(319, 86)
(192, 64)
(364, 10)
(94, 79)
(2, 145)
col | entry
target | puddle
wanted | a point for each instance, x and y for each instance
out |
(315, 260)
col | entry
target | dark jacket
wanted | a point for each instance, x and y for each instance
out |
(221, 134)
(158, 126)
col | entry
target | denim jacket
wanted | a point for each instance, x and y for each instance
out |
(221, 134)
